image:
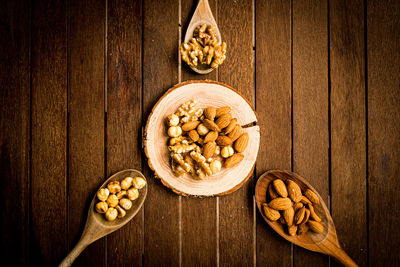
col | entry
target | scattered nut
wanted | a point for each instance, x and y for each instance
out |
(101, 207)
(125, 203)
(103, 194)
(111, 214)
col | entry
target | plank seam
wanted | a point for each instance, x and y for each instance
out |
(329, 117)
(142, 116)
(291, 109)
(105, 111)
(255, 106)
(67, 121)
(29, 183)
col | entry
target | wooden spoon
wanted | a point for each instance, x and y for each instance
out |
(202, 15)
(326, 242)
(97, 226)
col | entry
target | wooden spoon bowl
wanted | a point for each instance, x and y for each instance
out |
(202, 15)
(96, 224)
(325, 242)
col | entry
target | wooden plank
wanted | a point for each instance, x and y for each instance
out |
(236, 231)
(160, 72)
(348, 131)
(199, 246)
(310, 105)
(15, 130)
(49, 133)
(86, 120)
(383, 34)
(273, 103)
(124, 115)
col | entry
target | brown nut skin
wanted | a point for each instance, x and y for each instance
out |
(121, 211)
(111, 214)
(125, 203)
(222, 110)
(294, 191)
(315, 226)
(114, 187)
(191, 125)
(270, 213)
(271, 192)
(288, 214)
(231, 126)
(194, 135)
(312, 196)
(280, 203)
(280, 187)
(211, 137)
(101, 207)
(210, 113)
(292, 230)
(298, 218)
(112, 201)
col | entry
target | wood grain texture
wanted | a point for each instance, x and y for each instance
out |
(15, 131)
(49, 133)
(86, 119)
(200, 214)
(348, 131)
(236, 231)
(310, 104)
(160, 72)
(124, 115)
(383, 46)
(273, 104)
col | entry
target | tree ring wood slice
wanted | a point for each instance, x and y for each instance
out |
(155, 138)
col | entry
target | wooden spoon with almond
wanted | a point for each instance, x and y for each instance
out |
(325, 242)
(97, 226)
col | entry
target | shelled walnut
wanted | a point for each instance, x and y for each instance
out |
(119, 201)
(204, 48)
(204, 146)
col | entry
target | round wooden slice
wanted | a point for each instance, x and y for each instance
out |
(207, 93)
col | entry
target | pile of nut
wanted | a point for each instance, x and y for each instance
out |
(204, 48)
(292, 208)
(117, 197)
(202, 141)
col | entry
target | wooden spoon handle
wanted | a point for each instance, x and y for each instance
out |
(74, 253)
(341, 256)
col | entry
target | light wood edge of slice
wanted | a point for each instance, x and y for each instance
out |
(144, 137)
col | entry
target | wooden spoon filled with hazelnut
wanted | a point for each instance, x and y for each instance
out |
(203, 49)
(294, 209)
(116, 202)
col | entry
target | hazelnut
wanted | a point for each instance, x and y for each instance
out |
(217, 150)
(102, 194)
(111, 214)
(125, 203)
(174, 131)
(173, 120)
(126, 183)
(227, 151)
(121, 194)
(139, 182)
(121, 212)
(112, 201)
(133, 193)
(202, 129)
(114, 187)
(101, 207)
(215, 166)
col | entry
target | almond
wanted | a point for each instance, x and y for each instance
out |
(280, 187)
(242, 142)
(236, 132)
(223, 140)
(289, 215)
(211, 137)
(224, 120)
(297, 206)
(190, 125)
(210, 113)
(294, 191)
(233, 160)
(315, 226)
(222, 110)
(209, 149)
(312, 196)
(305, 200)
(298, 218)
(231, 126)
(271, 214)
(194, 135)
(292, 230)
(271, 192)
(306, 216)
(313, 214)
(302, 228)
(211, 125)
(280, 203)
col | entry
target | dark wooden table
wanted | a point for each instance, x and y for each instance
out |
(77, 82)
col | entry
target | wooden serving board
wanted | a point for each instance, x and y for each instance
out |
(155, 138)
